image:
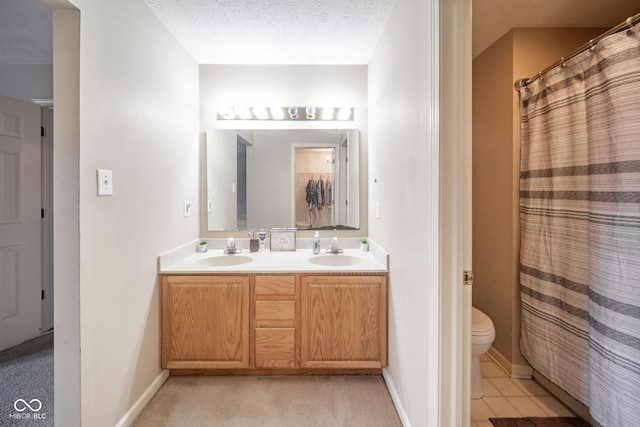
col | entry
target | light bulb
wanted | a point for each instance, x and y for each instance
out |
(226, 112)
(344, 113)
(277, 113)
(260, 113)
(243, 112)
(327, 113)
(311, 112)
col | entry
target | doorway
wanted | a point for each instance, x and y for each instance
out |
(22, 274)
(315, 190)
(241, 180)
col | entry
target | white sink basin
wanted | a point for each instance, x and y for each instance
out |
(224, 260)
(335, 260)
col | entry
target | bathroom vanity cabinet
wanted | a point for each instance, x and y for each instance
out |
(274, 323)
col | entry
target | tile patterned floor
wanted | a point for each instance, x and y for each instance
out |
(507, 397)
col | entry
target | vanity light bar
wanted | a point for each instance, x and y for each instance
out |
(285, 113)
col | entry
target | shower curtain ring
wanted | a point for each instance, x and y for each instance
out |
(564, 64)
(629, 23)
(520, 84)
(592, 43)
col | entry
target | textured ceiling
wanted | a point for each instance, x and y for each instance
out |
(25, 32)
(276, 31)
(299, 31)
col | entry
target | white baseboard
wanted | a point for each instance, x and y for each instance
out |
(396, 399)
(521, 371)
(142, 401)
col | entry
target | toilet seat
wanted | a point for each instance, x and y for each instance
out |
(481, 324)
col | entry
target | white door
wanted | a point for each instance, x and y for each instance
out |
(20, 230)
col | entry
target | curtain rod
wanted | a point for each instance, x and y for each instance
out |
(627, 24)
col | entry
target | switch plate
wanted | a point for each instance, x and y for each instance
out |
(377, 209)
(187, 207)
(105, 182)
(209, 205)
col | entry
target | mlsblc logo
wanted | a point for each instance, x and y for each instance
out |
(28, 410)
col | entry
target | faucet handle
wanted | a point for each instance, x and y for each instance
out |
(231, 247)
(334, 243)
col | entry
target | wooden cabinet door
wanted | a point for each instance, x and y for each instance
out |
(344, 322)
(205, 322)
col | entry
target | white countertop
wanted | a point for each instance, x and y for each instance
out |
(299, 261)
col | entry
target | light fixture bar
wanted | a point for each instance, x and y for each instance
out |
(306, 113)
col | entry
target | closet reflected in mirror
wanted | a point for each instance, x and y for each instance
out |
(307, 179)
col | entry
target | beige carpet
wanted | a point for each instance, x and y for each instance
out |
(539, 422)
(265, 401)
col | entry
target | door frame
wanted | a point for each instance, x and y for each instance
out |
(455, 212)
(66, 224)
(337, 176)
(47, 215)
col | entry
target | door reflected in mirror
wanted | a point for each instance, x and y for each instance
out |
(307, 179)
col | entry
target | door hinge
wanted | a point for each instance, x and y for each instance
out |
(42, 213)
(467, 277)
(41, 130)
(42, 295)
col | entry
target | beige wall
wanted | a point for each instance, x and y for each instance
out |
(136, 113)
(494, 237)
(521, 52)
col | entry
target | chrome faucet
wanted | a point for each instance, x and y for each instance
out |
(335, 247)
(231, 247)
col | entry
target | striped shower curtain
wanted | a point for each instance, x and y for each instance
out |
(580, 227)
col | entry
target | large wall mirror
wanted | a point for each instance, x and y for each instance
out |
(307, 179)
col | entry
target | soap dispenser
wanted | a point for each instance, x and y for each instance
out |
(316, 243)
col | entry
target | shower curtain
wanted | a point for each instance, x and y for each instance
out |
(580, 227)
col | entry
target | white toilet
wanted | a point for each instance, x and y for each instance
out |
(482, 335)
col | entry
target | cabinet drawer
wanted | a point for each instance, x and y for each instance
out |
(275, 310)
(275, 347)
(276, 285)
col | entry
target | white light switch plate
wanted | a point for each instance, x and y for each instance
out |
(105, 182)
